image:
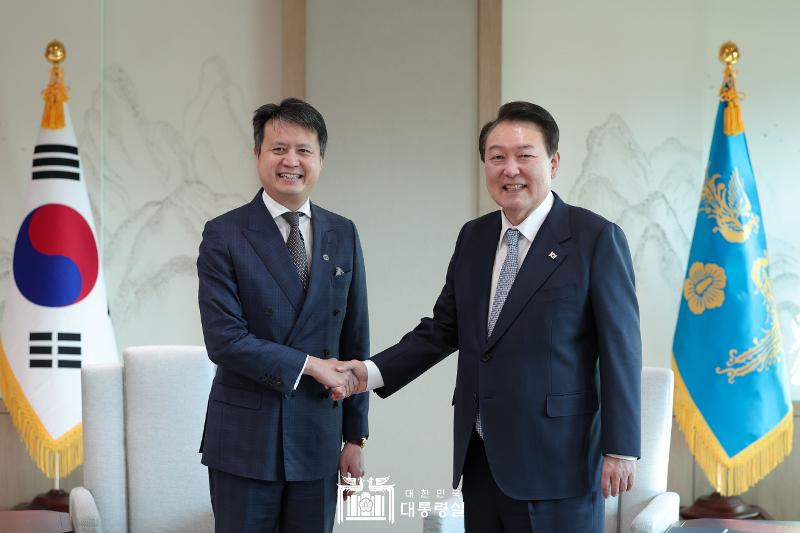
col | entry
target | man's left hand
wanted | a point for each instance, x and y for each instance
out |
(351, 464)
(618, 475)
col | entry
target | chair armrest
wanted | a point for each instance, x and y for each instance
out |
(659, 515)
(83, 511)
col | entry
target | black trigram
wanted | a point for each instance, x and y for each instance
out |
(67, 348)
(56, 161)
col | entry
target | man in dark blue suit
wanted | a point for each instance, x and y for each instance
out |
(282, 298)
(539, 300)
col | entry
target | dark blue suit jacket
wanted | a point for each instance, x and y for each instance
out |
(259, 324)
(546, 416)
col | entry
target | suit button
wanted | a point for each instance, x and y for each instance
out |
(326, 353)
(268, 312)
(285, 396)
(485, 357)
(335, 312)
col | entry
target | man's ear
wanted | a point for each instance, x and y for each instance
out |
(554, 163)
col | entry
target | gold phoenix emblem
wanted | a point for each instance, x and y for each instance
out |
(766, 350)
(704, 287)
(730, 207)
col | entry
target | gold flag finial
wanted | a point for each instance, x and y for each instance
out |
(55, 52)
(55, 94)
(732, 120)
(729, 53)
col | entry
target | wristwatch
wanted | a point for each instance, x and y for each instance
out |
(358, 442)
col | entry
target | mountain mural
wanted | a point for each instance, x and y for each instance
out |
(654, 196)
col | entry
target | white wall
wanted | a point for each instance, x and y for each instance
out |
(177, 146)
(162, 94)
(396, 82)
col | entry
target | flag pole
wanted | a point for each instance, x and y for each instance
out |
(53, 117)
(57, 478)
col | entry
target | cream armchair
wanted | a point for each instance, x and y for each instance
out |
(648, 508)
(142, 424)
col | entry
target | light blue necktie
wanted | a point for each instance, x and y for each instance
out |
(504, 282)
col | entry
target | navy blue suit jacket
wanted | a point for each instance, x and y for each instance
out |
(259, 324)
(546, 417)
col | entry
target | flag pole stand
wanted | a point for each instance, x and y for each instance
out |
(55, 499)
(717, 506)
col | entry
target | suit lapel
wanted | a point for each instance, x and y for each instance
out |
(263, 235)
(546, 254)
(322, 254)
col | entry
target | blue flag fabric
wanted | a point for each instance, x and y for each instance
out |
(732, 396)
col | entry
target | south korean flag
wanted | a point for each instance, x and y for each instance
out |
(56, 316)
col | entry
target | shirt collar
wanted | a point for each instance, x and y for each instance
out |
(530, 226)
(276, 209)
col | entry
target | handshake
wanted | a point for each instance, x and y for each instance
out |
(343, 378)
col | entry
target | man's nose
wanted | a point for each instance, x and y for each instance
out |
(290, 158)
(511, 168)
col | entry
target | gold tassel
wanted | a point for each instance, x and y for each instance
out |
(42, 448)
(729, 476)
(732, 119)
(55, 95)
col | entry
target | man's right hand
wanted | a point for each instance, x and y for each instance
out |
(325, 371)
(359, 370)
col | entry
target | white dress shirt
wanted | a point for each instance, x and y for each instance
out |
(276, 211)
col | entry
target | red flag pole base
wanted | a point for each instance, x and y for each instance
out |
(52, 500)
(716, 506)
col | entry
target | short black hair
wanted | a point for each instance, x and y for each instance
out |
(523, 112)
(294, 111)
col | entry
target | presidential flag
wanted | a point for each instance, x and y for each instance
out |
(56, 313)
(732, 397)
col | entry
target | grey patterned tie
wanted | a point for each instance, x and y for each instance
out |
(504, 282)
(297, 246)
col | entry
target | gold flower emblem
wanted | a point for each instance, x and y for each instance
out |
(703, 289)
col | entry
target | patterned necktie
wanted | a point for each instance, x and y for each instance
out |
(506, 279)
(504, 282)
(297, 246)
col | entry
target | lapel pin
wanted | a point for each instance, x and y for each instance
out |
(325, 257)
(552, 255)
(339, 271)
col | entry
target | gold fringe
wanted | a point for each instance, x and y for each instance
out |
(730, 476)
(42, 448)
(55, 94)
(732, 119)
